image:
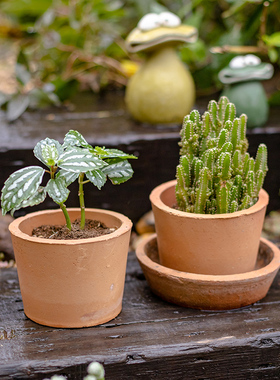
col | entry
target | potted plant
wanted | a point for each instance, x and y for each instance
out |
(209, 220)
(218, 186)
(67, 281)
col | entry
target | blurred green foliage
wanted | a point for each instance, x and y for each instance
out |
(65, 46)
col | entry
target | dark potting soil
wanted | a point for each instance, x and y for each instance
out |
(93, 228)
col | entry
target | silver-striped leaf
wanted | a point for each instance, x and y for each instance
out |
(48, 151)
(79, 160)
(57, 190)
(74, 138)
(69, 177)
(97, 177)
(112, 153)
(21, 185)
(118, 171)
(35, 199)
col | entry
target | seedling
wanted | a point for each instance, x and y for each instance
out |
(74, 160)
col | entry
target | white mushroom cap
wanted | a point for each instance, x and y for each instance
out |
(252, 60)
(153, 20)
(149, 22)
(243, 61)
(169, 19)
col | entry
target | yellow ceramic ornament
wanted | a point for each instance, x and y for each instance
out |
(162, 90)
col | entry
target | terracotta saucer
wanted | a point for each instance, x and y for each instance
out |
(209, 292)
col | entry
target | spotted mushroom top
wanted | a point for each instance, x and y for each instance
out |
(244, 68)
(157, 29)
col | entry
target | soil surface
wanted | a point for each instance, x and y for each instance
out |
(93, 228)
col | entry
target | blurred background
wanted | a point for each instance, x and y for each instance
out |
(51, 50)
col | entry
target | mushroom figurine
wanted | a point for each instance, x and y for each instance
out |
(162, 91)
(243, 87)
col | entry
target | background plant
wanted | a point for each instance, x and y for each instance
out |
(66, 46)
(216, 173)
(66, 163)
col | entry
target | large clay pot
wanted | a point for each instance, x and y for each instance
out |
(206, 244)
(71, 283)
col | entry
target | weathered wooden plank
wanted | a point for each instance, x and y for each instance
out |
(247, 360)
(149, 338)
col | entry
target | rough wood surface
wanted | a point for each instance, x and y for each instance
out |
(150, 339)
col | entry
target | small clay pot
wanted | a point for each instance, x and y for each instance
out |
(207, 244)
(71, 283)
(207, 292)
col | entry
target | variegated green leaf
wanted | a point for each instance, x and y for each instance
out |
(20, 186)
(79, 160)
(74, 138)
(97, 177)
(69, 177)
(48, 151)
(35, 199)
(112, 153)
(118, 171)
(57, 190)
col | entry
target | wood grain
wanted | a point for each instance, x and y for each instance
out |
(150, 339)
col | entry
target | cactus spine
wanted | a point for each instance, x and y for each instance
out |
(216, 174)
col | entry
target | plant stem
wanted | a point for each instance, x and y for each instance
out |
(52, 171)
(263, 21)
(82, 201)
(67, 218)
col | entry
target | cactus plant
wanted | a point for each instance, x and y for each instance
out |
(216, 174)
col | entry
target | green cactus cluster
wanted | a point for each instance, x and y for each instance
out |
(216, 174)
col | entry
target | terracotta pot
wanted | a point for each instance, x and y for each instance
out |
(206, 244)
(71, 283)
(207, 292)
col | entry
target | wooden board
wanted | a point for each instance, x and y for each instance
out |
(150, 339)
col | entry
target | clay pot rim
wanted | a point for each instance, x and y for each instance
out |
(204, 278)
(15, 229)
(155, 198)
